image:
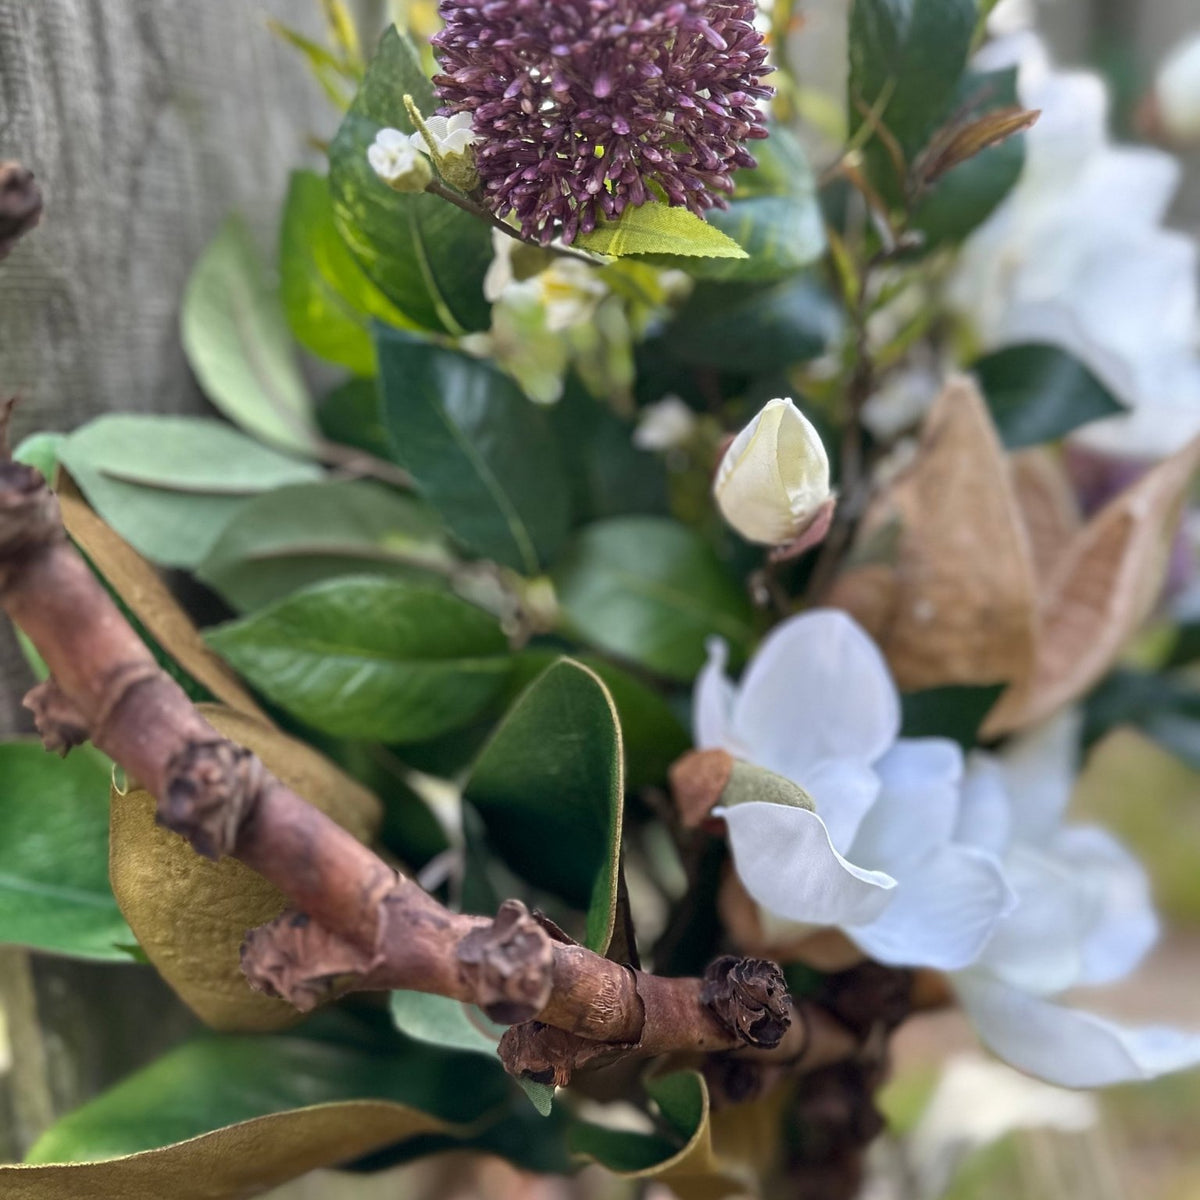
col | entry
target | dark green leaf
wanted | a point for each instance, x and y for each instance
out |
(549, 789)
(906, 60)
(650, 590)
(284, 540)
(371, 658)
(948, 712)
(607, 475)
(350, 415)
(54, 892)
(169, 485)
(1038, 393)
(480, 452)
(328, 299)
(743, 327)
(968, 194)
(1165, 707)
(427, 256)
(237, 341)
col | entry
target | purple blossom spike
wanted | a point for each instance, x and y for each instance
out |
(582, 107)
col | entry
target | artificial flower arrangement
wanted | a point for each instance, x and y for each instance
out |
(659, 668)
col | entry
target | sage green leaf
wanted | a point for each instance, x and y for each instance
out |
(451, 1025)
(284, 540)
(328, 299)
(54, 891)
(427, 256)
(548, 786)
(775, 216)
(1039, 393)
(237, 341)
(969, 193)
(40, 450)
(749, 328)
(651, 591)
(480, 452)
(655, 228)
(168, 485)
(906, 60)
(371, 658)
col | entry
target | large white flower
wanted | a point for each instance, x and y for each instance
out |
(876, 858)
(1077, 256)
(1083, 917)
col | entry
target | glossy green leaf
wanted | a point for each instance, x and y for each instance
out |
(607, 475)
(969, 193)
(750, 328)
(480, 452)
(654, 228)
(774, 216)
(328, 299)
(427, 256)
(1039, 393)
(350, 415)
(949, 712)
(548, 786)
(371, 658)
(54, 891)
(447, 1023)
(906, 60)
(169, 485)
(236, 340)
(652, 591)
(284, 540)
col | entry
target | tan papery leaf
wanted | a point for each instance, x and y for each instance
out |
(1103, 587)
(957, 605)
(189, 914)
(1048, 506)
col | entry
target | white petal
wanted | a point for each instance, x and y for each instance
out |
(916, 808)
(1039, 946)
(817, 689)
(1068, 1046)
(787, 863)
(843, 791)
(1039, 773)
(984, 814)
(942, 914)
(712, 700)
(1125, 925)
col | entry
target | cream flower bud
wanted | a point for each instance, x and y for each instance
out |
(774, 478)
(394, 160)
(1178, 92)
(450, 141)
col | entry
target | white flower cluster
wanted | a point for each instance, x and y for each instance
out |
(1077, 256)
(926, 860)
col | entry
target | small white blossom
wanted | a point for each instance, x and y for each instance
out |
(774, 478)
(394, 160)
(876, 856)
(1077, 256)
(566, 289)
(1177, 90)
(453, 136)
(1083, 917)
(664, 425)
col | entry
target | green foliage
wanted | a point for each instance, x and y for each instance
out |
(371, 658)
(286, 539)
(651, 591)
(1165, 707)
(236, 339)
(426, 256)
(659, 229)
(169, 485)
(949, 712)
(54, 892)
(328, 300)
(548, 786)
(468, 437)
(1039, 393)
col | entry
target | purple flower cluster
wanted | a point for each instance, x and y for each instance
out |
(582, 107)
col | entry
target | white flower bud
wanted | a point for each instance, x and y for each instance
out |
(394, 160)
(451, 143)
(1178, 92)
(774, 478)
(665, 424)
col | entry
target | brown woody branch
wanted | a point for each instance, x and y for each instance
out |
(357, 924)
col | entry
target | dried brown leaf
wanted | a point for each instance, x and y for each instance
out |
(958, 604)
(1048, 506)
(958, 142)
